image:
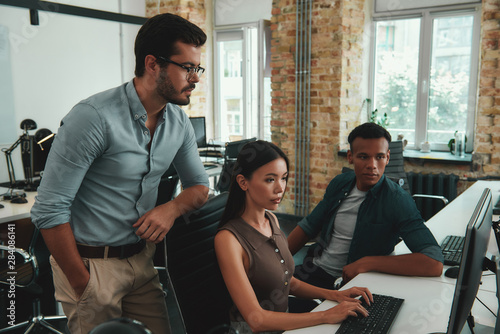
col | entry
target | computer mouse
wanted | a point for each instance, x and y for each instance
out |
(19, 200)
(452, 272)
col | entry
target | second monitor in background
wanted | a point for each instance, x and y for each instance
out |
(200, 130)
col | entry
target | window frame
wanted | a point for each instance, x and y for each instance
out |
(427, 15)
(253, 111)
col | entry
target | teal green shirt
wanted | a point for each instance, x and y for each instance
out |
(100, 174)
(387, 213)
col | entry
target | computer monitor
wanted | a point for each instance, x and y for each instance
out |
(471, 266)
(199, 130)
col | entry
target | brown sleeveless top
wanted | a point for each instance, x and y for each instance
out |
(271, 264)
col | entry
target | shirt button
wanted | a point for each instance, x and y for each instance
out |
(282, 261)
(144, 116)
(136, 116)
(146, 132)
(276, 250)
(286, 283)
(286, 272)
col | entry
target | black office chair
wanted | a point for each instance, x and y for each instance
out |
(429, 199)
(121, 326)
(192, 265)
(26, 272)
(168, 185)
(231, 152)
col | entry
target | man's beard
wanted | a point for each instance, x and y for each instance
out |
(166, 90)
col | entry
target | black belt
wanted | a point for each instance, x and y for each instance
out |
(102, 252)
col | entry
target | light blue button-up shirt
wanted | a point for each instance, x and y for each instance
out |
(101, 176)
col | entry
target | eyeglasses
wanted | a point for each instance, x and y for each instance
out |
(191, 70)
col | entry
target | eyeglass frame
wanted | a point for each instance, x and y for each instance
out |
(191, 70)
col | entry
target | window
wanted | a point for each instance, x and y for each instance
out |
(424, 74)
(242, 84)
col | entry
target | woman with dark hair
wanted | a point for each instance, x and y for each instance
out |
(253, 253)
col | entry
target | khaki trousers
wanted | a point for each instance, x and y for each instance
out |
(117, 288)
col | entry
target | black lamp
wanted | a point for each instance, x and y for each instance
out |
(26, 125)
(42, 137)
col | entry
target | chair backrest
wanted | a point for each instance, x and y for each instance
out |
(234, 147)
(192, 265)
(395, 170)
(167, 186)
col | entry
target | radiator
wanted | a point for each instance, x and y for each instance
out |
(432, 184)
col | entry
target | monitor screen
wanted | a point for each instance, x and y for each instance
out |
(471, 267)
(199, 130)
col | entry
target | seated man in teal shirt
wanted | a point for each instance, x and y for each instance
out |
(361, 218)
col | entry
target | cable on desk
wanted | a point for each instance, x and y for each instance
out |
(486, 307)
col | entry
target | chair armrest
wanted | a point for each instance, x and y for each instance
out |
(27, 257)
(25, 272)
(442, 198)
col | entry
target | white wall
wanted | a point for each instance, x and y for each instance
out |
(234, 12)
(60, 62)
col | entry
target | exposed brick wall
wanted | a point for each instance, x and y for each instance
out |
(487, 140)
(336, 65)
(194, 11)
(336, 47)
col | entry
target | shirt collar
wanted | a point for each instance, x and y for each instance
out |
(137, 110)
(374, 191)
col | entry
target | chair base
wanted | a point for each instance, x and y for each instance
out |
(39, 321)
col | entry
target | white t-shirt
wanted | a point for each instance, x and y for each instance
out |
(334, 256)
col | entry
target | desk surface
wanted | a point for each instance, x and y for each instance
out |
(13, 211)
(417, 314)
(428, 299)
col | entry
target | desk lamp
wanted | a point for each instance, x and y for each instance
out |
(42, 135)
(26, 125)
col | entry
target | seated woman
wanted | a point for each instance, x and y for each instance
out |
(253, 253)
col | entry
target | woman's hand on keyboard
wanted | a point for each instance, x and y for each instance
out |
(343, 310)
(351, 294)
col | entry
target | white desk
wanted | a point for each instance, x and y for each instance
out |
(417, 314)
(13, 211)
(428, 299)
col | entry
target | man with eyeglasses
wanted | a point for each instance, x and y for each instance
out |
(96, 203)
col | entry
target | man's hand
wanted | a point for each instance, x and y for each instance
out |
(155, 224)
(79, 284)
(353, 269)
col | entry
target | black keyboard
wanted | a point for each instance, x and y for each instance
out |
(452, 247)
(382, 311)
